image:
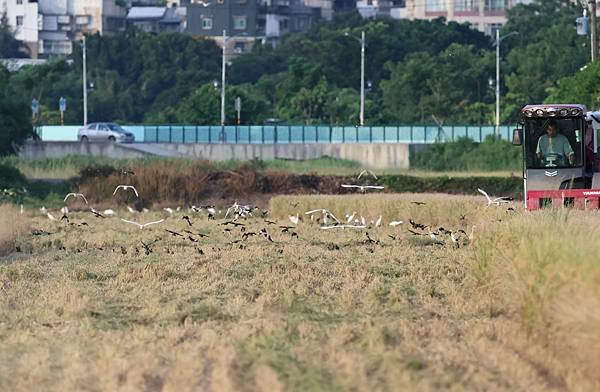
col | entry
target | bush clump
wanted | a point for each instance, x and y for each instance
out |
(464, 154)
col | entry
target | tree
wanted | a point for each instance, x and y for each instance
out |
(15, 117)
(582, 87)
(9, 46)
(546, 50)
(446, 85)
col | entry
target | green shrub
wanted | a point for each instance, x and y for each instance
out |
(464, 154)
(10, 175)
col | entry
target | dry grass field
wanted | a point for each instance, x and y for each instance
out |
(107, 306)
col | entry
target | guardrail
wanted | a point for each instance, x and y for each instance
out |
(291, 134)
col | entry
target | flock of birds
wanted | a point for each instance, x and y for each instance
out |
(235, 214)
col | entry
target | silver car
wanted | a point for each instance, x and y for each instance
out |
(104, 132)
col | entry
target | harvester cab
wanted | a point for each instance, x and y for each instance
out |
(560, 160)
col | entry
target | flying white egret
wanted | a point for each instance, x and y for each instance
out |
(366, 171)
(363, 187)
(323, 211)
(125, 187)
(396, 223)
(75, 195)
(497, 201)
(343, 227)
(108, 212)
(140, 225)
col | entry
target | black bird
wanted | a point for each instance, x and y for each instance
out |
(197, 234)
(236, 224)
(147, 248)
(415, 233)
(294, 234)
(187, 219)
(392, 237)
(192, 239)
(65, 217)
(123, 250)
(98, 215)
(211, 217)
(37, 232)
(296, 204)
(286, 229)
(419, 203)
(126, 172)
(247, 234)
(265, 234)
(200, 251)
(416, 225)
(174, 233)
(270, 222)
(370, 240)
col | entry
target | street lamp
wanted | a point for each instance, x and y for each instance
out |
(223, 66)
(84, 84)
(497, 43)
(362, 41)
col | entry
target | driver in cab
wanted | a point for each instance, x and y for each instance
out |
(553, 148)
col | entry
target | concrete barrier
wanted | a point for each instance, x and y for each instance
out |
(377, 156)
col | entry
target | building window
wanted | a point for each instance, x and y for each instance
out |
(495, 5)
(207, 23)
(466, 5)
(491, 28)
(19, 20)
(436, 5)
(19, 1)
(239, 47)
(239, 22)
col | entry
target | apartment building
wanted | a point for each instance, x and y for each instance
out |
(49, 27)
(248, 20)
(484, 15)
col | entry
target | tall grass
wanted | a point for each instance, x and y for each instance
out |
(544, 266)
(12, 226)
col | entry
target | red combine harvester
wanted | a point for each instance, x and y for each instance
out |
(560, 164)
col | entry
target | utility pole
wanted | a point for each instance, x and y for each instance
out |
(362, 79)
(362, 42)
(223, 64)
(85, 117)
(594, 43)
(498, 82)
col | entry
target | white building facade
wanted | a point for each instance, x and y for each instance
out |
(49, 27)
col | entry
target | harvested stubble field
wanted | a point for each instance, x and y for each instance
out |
(515, 308)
